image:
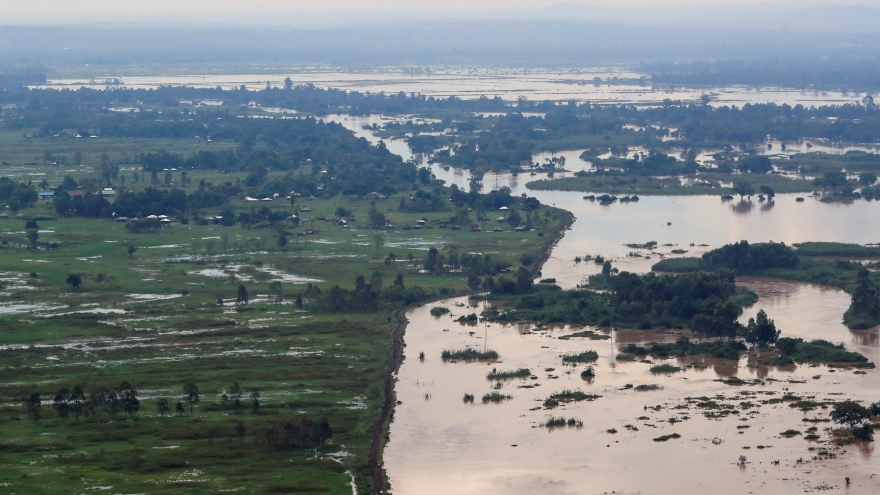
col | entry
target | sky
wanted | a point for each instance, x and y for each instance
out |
(133, 10)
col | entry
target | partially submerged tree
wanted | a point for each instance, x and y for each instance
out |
(761, 331)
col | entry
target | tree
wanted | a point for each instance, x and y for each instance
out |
(524, 282)
(768, 191)
(33, 403)
(867, 178)
(242, 296)
(77, 397)
(849, 413)
(864, 311)
(235, 396)
(163, 406)
(74, 281)
(288, 83)
(378, 241)
(473, 281)
(128, 399)
(276, 290)
(241, 430)
(191, 395)
(61, 404)
(299, 301)
(606, 269)
(224, 241)
(131, 250)
(761, 331)
(255, 401)
(743, 189)
(32, 236)
(282, 241)
(179, 409)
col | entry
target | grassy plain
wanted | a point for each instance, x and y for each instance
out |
(152, 318)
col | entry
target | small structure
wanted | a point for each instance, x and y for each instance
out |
(122, 219)
(504, 208)
(46, 195)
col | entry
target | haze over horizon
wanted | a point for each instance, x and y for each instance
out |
(305, 13)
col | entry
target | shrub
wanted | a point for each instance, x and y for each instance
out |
(469, 355)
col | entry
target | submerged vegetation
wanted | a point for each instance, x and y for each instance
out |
(806, 263)
(509, 375)
(469, 355)
(583, 357)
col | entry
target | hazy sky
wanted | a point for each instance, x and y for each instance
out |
(132, 10)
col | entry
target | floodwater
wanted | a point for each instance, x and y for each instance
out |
(439, 444)
(474, 82)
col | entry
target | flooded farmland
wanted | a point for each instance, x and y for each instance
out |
(716, 426)
(576, 84)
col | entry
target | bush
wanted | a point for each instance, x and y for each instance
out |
(469, 355)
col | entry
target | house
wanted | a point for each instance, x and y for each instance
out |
(108, 192)
(475, 227)
(305, 210)
(454, 227)
(4, 215)
(521, 228)
(77, 192)
(504, 208)
(497, 229)
(46, 195)
(248, 198)
(122, 219)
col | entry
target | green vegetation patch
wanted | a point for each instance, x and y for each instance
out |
(818, 351)
(509, 375)
(665, 368)
(469, 355)
(583, 357)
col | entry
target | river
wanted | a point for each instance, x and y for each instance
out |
(441, 445)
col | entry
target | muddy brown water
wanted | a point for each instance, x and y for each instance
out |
(439, 444)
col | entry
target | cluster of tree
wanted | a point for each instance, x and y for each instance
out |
(744, 258)
(703, 301)
(16, 195)
(110, 402)
(369, 295)
(299, 432)
(856, 416)
(73, 401)
(864, 310)
(522, 284)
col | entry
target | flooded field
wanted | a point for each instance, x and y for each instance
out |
(441, 442)
(645, 432)
(472, 82)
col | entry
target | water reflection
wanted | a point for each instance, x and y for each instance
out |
(742, 207)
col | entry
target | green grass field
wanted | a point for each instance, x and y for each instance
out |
(152, 319)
